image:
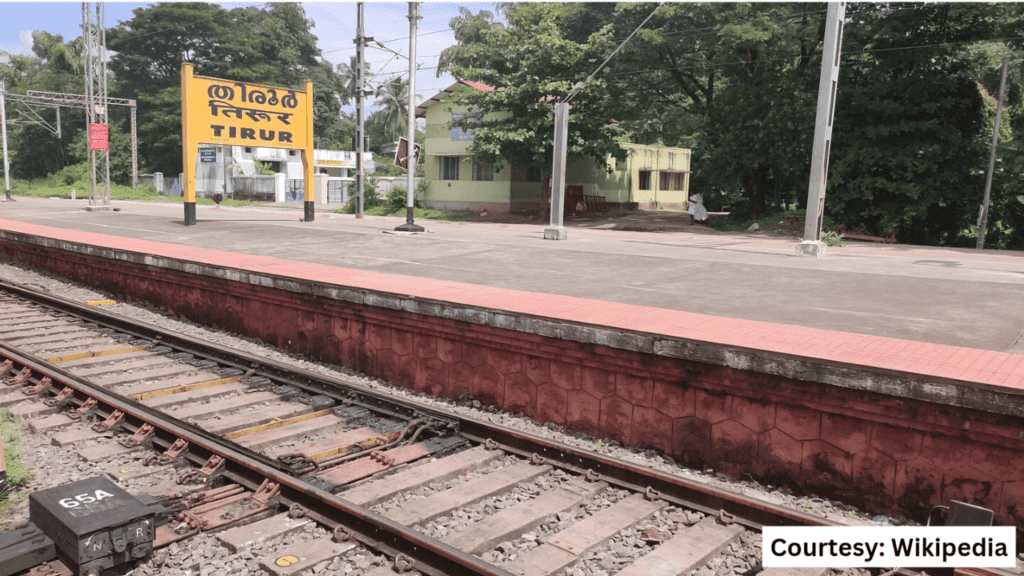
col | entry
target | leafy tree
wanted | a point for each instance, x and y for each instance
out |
(469, 28)
(909, 148)
(754, 148)
(54, 66)
(347, 74)
(338, 135)
(271, 45)
(533, 65)
(738, 84)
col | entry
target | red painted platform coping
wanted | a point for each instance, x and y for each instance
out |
(978, 366)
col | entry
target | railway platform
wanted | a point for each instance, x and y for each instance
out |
(956, 297)
(898, 370)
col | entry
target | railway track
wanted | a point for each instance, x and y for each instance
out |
(291, 471)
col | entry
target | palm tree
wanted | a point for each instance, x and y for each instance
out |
(469, 28)
(395, 94)
(56, 54)
(348, 78)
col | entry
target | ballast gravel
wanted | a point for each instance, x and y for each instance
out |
(466, 406)
(204, 556)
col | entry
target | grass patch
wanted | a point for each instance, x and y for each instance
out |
(17, 472)
(424, 213)
(781, 223)
(117, 192)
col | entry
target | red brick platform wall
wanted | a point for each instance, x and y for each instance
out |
(884, 453)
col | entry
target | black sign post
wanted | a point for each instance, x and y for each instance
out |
(402, 154)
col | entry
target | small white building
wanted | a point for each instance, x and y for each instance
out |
(232, 170)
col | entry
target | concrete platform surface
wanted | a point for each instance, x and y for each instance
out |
(957, 297)
(726, 289)
(893, 373)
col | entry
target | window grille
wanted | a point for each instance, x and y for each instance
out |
(672, 180)
(449, 167)
(483, 172)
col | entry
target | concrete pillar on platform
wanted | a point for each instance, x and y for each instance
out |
(158, 182)
(279, 187)
(320, 188)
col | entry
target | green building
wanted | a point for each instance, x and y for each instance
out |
(650, 177)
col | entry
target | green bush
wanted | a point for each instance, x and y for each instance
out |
(418, 213)
(370, 197)
(830, 238)
(397, 201)
(45, 188)
(385, 166)
(74, 175)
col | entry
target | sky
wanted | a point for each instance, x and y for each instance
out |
(335, 30)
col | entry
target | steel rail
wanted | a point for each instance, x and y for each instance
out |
(430, 555)
(340, 389)
(750, 512)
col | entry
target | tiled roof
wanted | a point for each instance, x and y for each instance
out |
(478, 85)
(421, 110)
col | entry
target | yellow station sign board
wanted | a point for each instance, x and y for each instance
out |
(245, 114)
(218, 111)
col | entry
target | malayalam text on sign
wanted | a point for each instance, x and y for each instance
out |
(245, 114)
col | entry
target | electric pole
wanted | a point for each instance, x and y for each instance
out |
(559, 151)
(812, 245)
(555, 231)
(94, 45)
(983, 216)
(410, 161)
(3, 128)
(360, 98)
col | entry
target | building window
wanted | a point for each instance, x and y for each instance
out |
(672, 180)
(248, 150)
(449, 167)
(645, 179)
(483, 172)
(680, 178)
(291, 152)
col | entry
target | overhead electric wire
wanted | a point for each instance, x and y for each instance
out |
(665, 35)
(347, 48)
(706, 65)
(606, 60)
